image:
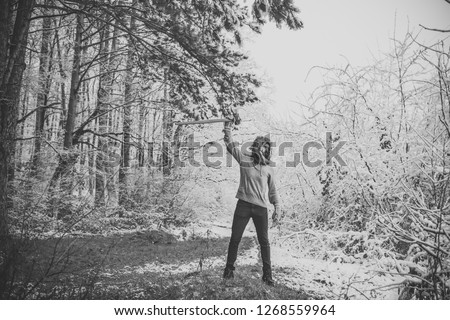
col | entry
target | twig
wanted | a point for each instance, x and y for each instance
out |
(433, 29)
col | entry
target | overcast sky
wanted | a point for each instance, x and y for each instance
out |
(358, 30)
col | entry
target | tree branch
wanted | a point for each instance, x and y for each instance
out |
(436, 30)
(50, 106)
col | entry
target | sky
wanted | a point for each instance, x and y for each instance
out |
(337, 31)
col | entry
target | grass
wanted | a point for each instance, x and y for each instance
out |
(204, 285)
(123, 267)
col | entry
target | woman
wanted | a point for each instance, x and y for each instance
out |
(256, 189)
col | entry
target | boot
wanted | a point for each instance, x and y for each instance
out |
(228, 272)
(267, 277)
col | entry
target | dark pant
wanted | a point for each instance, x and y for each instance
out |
(244, 211)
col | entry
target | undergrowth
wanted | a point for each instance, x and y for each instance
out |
(136, 265)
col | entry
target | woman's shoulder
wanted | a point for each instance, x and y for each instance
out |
(271, 166)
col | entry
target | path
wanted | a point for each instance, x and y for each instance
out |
(138, 265)
(330, 280)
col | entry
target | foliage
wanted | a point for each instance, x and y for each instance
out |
(393, 191)
(96, 73)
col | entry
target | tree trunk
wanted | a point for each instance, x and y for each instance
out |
(167, 130)
(12, 65)
(25, 94)
(74, 86)
(141, 149)
(177, 139)
(167, 142)
(44, 88)
(127, 119)
(69, 158)
(110, 170)
(104, 84)
(63, 114)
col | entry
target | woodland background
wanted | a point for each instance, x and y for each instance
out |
(90, 184)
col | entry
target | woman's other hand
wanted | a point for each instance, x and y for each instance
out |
(275, 215)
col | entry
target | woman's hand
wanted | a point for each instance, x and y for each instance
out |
(227, 127)
(275, 215)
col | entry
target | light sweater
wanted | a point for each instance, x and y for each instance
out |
(257, 182)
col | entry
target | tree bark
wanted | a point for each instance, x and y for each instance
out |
(74, 86)
(177, 139)
(141, 130)
(69, 158)
(127, 119)
(63, 114)
(44, 88)
(167, 130)
(167, 142)
(12, 65)
(104, 84)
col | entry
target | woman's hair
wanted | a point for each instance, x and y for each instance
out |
(256, 155)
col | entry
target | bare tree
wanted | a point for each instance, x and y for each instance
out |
(44, 88)
(14, 16)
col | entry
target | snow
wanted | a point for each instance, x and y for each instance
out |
(333, 280)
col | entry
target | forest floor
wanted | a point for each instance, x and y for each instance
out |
(157, 265)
